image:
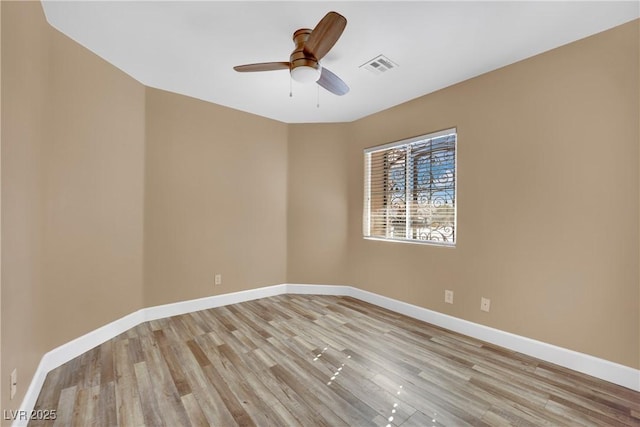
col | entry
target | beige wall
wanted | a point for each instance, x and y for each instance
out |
(93, 184)
(318, 203)
(0, 204)
(72, 192)
(215, 202)
(24, 90)
(547, 199)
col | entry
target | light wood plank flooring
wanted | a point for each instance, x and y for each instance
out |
(304, 360)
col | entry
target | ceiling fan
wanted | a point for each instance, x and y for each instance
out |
(311, 47)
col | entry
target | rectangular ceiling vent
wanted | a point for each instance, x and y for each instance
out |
(380, 64)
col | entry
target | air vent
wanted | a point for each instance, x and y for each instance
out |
(380, 64)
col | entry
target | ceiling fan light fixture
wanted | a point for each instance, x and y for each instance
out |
(306, 73)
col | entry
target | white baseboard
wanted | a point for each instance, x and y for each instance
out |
(182, 307)
(66, 352)
(581, 362)
(590, 365)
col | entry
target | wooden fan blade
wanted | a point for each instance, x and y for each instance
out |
(332, 83)
(264, 66)
(325, 35)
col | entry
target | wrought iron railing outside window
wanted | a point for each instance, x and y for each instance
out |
(410, 190)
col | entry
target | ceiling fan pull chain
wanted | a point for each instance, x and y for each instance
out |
(290, 86)
(318, 96)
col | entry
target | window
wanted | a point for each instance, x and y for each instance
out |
(410, 190)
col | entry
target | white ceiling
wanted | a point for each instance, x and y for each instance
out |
(191, 47)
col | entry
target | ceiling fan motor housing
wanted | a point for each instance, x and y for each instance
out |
(304, 67)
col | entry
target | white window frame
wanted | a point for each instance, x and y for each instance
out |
(432, 236)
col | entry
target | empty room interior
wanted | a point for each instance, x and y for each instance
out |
(185, 243)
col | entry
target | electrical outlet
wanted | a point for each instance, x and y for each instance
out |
(485, 304)
(448, 296)
(14, 383)
(218, 279)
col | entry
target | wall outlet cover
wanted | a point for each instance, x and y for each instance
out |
(14, 383)
(448, 296)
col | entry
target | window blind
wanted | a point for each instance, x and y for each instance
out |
(410, 190)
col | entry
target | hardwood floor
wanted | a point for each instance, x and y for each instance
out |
(305, 360)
